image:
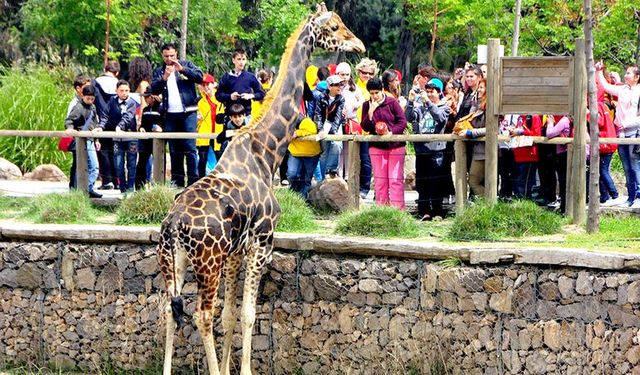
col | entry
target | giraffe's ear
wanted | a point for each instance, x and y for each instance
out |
(322, 19)
(323, 7)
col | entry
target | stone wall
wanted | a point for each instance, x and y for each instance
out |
(96, 306)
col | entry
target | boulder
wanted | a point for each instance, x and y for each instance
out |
(331, 193)
(46, 172)
(9, 171)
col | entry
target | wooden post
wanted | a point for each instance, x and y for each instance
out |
(158, 160)
(491, 122)
(593, 220)
(353, 182)
(460, 151)
(568, 193)
(82, 165)
(578, 161)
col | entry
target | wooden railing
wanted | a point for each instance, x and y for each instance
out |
(353, 178)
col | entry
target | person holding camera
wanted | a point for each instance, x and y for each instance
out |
(176, 80)
(429, 117)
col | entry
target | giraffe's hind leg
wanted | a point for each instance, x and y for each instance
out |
(231, 269)
(208, 282)
(174, 268)
(257, 259)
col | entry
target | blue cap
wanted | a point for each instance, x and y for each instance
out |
(322, 85)
(437, 83)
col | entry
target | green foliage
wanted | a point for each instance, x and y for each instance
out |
(34, 98)
(451, 262)
(73, 207)
(378, 222)
(296, 215)
(147, 206)
(484, 221)
(280, 17)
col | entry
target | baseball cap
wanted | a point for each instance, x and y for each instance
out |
(208, 78)
(435, 83)
(334, 80)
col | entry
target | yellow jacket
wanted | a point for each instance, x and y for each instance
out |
(256, 106)
(299, 148)
(207, 117)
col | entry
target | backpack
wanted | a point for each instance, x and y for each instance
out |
(464, 123)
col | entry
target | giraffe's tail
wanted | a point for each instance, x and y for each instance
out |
(177, 310)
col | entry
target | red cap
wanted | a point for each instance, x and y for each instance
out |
(399, 75)
(208, 78)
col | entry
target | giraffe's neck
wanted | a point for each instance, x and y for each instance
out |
(273, 129)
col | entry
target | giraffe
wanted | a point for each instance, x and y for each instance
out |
(230, 215)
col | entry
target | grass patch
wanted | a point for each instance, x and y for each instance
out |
(483, 221)
(11, 207)
(147, 206)
(616, 233)
(378, 222)
(296, 215)
(73, 207)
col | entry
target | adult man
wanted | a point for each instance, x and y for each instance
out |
(176, 80)
(239, 86)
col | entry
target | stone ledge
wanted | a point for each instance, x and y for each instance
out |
(489, 253)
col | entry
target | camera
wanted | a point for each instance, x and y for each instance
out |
(416, 90)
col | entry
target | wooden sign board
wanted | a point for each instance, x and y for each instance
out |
(536, 85)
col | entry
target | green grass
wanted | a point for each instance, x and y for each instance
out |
(11, 207)
(73, 207)
(34, 98)
(616, 233)
(379, 222)
(296, 215)
(486, 222)
(147, 206)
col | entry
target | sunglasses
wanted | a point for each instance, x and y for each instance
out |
(365, 73)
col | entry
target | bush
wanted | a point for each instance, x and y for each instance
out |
(483, 221)
(34, 98)
(73, 207)
(378, 221)
(296, 215)
(147, 206)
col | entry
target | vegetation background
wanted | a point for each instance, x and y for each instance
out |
(45, 43)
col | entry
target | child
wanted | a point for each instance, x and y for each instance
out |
(151, 121)
(429, 118)
(329, 117)
(237, 119)
(83, 116)
(207, 109)
(120, 116)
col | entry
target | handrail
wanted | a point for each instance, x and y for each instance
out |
(333, 137)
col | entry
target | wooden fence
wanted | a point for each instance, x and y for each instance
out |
(541, 85)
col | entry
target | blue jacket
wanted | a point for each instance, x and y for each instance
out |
(116, 116)
(245, 83)
(187, 80)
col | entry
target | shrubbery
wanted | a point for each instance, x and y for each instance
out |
(34, 98)
(520, 218)
(296, 215)
(69, 208)
(378, 222)
(147, 206)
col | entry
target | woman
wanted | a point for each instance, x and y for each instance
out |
(627, 124)
(476, 170)
(140, 72)
(429, 117)
(367, 69)
(383, 115)
(353, 100)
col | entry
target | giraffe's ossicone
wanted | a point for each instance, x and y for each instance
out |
(230, 215)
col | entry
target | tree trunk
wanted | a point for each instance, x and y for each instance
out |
(434, 31)
(106, 34)
(516, 30)
(183, 29)
(594, 170)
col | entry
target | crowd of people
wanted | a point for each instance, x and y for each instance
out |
(340, 99)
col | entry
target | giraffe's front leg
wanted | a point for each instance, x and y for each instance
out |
(260, 256)
(231, 269)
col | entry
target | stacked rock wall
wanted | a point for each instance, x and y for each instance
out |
(95, 307)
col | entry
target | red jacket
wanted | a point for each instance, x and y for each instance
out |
(528, 154)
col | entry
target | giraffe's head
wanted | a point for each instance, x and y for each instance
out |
(331, 33)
